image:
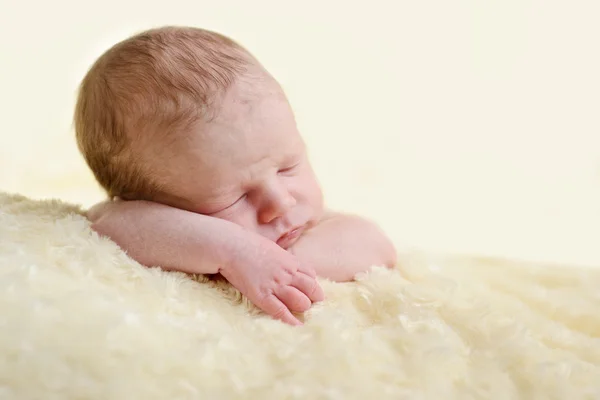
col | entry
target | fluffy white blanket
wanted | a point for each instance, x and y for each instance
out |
(80, 320)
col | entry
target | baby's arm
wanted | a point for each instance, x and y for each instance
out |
(340, 246)
(156, 235)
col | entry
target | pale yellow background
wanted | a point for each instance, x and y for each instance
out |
(460, 126)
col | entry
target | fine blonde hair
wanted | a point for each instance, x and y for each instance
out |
(154, 84)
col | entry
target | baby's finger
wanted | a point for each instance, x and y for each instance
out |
(276, 309)
(307, 270)
(309, 286)
(294, 299)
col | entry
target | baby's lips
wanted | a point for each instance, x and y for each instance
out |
(290, 237)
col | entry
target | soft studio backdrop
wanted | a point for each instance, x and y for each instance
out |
(460, 126)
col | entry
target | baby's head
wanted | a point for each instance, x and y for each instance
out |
(188, 118)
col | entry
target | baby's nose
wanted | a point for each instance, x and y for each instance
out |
(276, 206)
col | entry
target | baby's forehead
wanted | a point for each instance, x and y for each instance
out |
(259, 110)
(239, 146)
(253, 121)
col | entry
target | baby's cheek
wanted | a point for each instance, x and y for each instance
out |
(317, 200)
(243, 218)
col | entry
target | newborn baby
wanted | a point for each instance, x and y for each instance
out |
(206, 172)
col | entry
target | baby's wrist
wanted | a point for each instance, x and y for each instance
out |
(240, 248)
(226, 241)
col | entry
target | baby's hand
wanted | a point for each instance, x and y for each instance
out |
(273, 279)
(153, 234)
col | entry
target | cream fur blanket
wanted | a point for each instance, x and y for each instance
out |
(80, 320)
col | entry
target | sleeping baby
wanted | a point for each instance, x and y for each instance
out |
(206, 172)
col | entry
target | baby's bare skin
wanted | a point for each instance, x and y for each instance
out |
(241, 199)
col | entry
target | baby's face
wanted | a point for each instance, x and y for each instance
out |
(248, 166)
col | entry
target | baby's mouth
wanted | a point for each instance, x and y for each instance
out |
(290, 237)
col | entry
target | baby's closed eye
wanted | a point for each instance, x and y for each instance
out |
(288, 169)
(231, 205)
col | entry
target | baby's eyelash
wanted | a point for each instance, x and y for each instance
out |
(241, 198)
(287, 169)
